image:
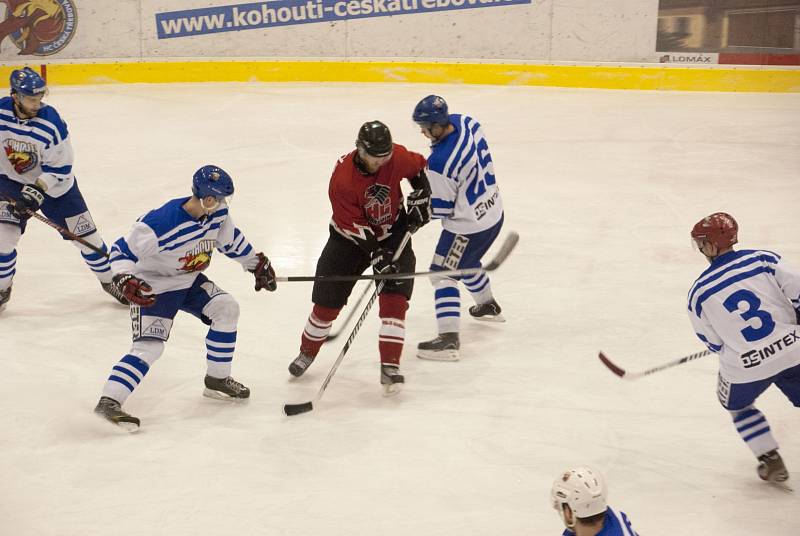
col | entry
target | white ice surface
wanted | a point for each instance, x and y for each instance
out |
(603, 187)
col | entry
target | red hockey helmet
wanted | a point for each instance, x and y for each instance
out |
(719, 229)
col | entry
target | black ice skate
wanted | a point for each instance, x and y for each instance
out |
(771, 467)
(300, 364)
(5, 295)
(443, 348)
(487, 311)
(391, 379)
(110, 410)
(112, 289)
(225, 389)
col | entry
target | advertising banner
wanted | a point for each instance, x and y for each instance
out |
(754, 32)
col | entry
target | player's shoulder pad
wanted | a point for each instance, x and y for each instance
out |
(48, 114)
(166, 217)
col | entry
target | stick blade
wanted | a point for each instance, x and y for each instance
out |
(611, 366)
(296, 409)
(505, 250)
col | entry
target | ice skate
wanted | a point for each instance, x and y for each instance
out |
(225, 389)
(391, 379)
(298, 367)
(443, 348)
(771, 468)
(112, 289)
(5, 296)
(110, 410)
(489, 312)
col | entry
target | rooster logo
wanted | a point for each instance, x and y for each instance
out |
(195, 262)
(22, 155)
(39, 27)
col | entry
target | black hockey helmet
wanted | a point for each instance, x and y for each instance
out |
(374, 137)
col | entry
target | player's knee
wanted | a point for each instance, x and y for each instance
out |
(222, 309)
(9, 237)
(392, 305)
(148, 350)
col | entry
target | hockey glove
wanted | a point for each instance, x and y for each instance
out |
(32, 198)
(137, 292)
(381, 261)
(419, 208)
(264, 274)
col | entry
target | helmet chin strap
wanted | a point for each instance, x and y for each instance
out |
(209, 210)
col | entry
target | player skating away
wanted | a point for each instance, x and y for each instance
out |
(36, 174)
(580, 497)
(466, 198)
(368, 224)
(745, 308)
(158, 266)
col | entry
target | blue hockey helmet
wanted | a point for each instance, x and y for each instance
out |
(213, 181)
(27, 82)
(432, 110)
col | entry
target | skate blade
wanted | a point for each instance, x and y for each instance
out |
(440, 355)
(130, 427)
(490, 318)
(216, 395)
(392, 389)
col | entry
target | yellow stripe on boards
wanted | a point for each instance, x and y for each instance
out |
(655, 77)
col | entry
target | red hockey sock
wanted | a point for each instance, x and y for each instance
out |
(317, 328)
(393, 327)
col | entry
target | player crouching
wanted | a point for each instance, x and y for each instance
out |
(158, 267)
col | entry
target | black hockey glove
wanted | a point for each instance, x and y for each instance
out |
(264, 274)
(381, 261)
(419, 208)
(32, 198)
(137, 291)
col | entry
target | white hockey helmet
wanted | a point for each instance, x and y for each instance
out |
(583, 489)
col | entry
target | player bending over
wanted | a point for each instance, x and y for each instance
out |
(159, 266)
(745, 308)
(368, 224)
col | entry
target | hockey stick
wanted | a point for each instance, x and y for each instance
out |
(304, 407)
(505, 250)
(622, 373)
(65, 232)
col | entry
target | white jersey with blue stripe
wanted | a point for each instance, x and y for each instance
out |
(745, 307)
(168, 248)
(464, 191)
(37, 148)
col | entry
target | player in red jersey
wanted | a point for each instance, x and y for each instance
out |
(368, 224)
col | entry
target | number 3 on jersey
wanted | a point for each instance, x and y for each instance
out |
(752, 303)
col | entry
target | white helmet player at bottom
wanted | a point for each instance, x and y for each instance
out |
(583, 490)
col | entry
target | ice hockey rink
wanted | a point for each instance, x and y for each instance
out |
(602, 186)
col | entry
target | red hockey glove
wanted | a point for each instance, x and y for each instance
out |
(134, 289)
(264, 274)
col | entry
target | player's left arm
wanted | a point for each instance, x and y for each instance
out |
(233, 244)
(789, 282)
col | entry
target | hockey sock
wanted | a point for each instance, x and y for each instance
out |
(448, 305)
(754, 430)
(131, 369)
(8, 267)
(317, 328)
(219, 352)
(392, 333)
(479, 286)
(97, 263)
